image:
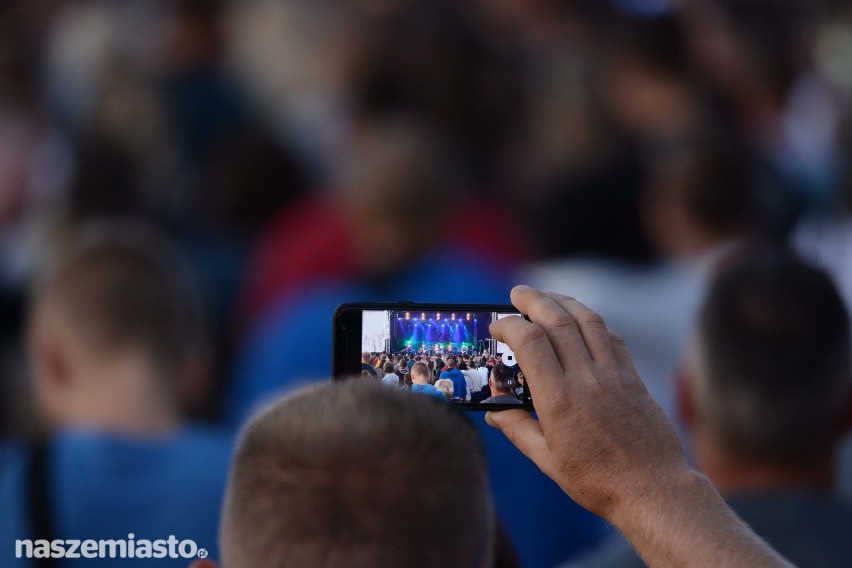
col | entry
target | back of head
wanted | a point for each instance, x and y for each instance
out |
(774, 359)
(420, 370)
(503, 377)
(445, 386)
(356, 475)
(121, 287)
(702, 194)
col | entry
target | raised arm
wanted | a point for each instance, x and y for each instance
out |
(608, 445)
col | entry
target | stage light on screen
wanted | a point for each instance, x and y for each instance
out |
(439, 316)
(422, 316)
(454, 317)
(407, 315)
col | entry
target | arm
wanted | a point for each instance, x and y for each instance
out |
(608, 445)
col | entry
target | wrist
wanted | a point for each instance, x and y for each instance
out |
(683, 520)
(676, 488)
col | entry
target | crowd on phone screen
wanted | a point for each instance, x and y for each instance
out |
(461, 377)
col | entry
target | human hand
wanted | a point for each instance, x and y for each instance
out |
(600, 435)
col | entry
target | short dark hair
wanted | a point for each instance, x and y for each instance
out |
(388, 368)
(774, 347)
(716, 183)
(329, 475)
(503, 377)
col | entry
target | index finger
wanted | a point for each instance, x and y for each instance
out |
(560, 326)
(592, 327)
(532, 347)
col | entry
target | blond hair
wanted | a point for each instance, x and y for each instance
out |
(445, 386)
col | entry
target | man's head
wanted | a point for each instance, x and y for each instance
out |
(768, 380)
(699, 197)
(451, 362)
(115, 324)
(356, 475)
(388, 368)
(366, 358)
(420, 374)
(502, 379)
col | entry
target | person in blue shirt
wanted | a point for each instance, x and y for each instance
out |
(116, 346)
(420, 382)
(453, 373)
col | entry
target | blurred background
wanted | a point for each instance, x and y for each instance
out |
(604, 148)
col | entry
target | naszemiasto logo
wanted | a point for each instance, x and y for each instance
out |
(109, 548)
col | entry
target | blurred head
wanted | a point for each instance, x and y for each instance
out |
(388, 368)
(700, 197)
(768, 380)
(451, 362)
(115, 324)
(445, 386)
(502, 379)
(647, 82)
(366, 357)
(303, 489)
(395, 164)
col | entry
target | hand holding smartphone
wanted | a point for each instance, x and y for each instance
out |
(464, 362)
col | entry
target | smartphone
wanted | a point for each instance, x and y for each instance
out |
(444, 337)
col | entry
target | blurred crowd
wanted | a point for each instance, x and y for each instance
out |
(302, 153)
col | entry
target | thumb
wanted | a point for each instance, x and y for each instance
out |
(525, 433)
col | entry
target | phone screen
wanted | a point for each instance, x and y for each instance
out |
(450, 345)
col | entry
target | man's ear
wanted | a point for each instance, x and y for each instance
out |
(49, 361)
(685, 398)
(206, 563)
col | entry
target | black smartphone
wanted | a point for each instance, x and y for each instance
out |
(465, 364)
